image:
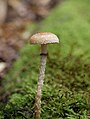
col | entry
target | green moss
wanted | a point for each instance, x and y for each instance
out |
(67, 82)
(19, 107)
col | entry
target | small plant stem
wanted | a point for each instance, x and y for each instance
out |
(40, 81)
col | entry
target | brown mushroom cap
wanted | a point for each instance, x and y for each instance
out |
(44, 38)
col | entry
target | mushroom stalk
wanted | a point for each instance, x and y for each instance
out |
(43, 38)
(40, 81)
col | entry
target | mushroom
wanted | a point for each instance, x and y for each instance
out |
(43, 39)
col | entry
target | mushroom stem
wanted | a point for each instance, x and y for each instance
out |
(40, 81)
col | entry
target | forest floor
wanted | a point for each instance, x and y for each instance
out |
(13, 30)
(66, 91)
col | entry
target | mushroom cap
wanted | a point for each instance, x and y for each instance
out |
(44, 38)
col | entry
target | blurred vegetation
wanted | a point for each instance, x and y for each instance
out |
(66, 91)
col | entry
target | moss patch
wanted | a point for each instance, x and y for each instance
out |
(67, 82)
